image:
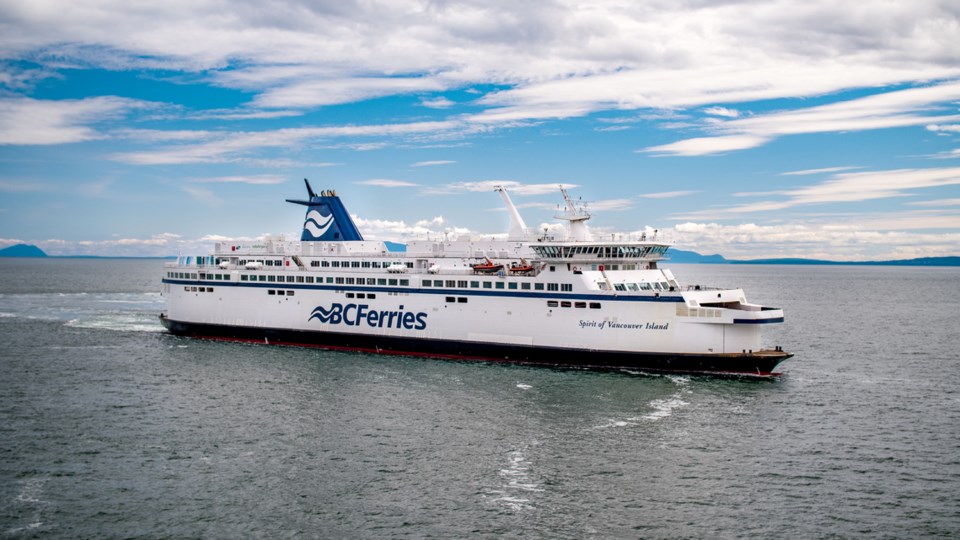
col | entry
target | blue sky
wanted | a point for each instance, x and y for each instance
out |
(772, 129)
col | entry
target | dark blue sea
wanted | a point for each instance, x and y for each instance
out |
(111, 428)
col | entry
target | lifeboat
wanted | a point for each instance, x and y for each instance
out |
(523, 268)
(486, 267)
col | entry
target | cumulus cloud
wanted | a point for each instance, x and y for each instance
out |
(844, 187)
(900, 108)
(26, 121)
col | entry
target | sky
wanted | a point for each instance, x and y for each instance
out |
(751, 129)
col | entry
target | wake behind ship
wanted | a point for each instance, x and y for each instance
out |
(571, 302)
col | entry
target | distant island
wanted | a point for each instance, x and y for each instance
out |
(674, 255)
(692, 257)
(22, 250)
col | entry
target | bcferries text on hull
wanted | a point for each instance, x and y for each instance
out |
(529, 299)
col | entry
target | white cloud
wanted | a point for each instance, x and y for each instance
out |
(511, 186)
(898, 108)
(707, 145)
(948, 128)
(722, 111)
(265, 179)
(437, 103)
(26, 121)
(667, 194)
(844, 187)
(850, 241)
(383, 182)
(432, 163)
(818, 171)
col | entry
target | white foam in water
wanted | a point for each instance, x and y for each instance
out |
(664, 407)
(524, 386)
(518, 482)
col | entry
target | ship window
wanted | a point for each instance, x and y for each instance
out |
(350, 281)
(309, 279)
(427, 283)
(354, 264)
(381, 281)
(329, 279)
(193, 276)
(268, 263)
(371, 296)
(451, 299)
(487, 285)
(366, 264)
(361, 295)
(271, 292)
(438, 283)
(272, 278)
(525, 286)
(499, 284)
(404, 282)
(580, 304)
(564, 304)
(512, 285)
(209, 289)
(350, 295)
(289, 279)
(633, 287)
(280, 293)
(409, 265)
(461, 300)
(474, 284)
(375, 264)
(314, 264)
(371, 281)
(566, 287)
(553, 287)
(289, 293)
(657, 286)
(594, 305)
(243, 277)
(462, 284)
(553, 268)
(339, 281)
(645, 286)
(335, 264)
(538, 286)
(325, 264)
(619, 286)
(299, 279)
(392, 282)
(451, 283)
(261, 278)
(552, 303)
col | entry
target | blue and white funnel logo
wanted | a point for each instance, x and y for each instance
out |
(361, 314)
(317, 224)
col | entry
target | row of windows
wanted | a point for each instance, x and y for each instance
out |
(600, 252)
(272, 292)
(655, 286)
(565, 304)
(355, 264)
(198, 289)
(511, 285)
(396, 282)
(361, 295)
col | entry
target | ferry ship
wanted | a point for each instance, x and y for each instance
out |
(566, 301)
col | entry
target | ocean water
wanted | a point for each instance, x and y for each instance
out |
(111, 428)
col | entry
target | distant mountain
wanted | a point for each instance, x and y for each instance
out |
(692, 257)
(22, 250)
(922, 261)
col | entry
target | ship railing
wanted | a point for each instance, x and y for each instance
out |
(705, 288)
